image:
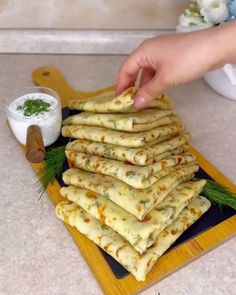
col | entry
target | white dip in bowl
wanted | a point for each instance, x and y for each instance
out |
(35, 106)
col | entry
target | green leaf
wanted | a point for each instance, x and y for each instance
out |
(53, 165)
(219, 194)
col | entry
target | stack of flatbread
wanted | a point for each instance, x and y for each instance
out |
(129, 188)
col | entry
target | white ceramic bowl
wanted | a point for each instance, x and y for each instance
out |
(223, 80)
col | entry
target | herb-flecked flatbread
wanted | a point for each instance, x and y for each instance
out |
(120, 249)
(136, 176)
(138, 156)
(121, 138)
(140, 234)
(122, 103)
(136, 122)
(136, 201)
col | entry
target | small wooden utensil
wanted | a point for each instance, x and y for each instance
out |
(35, 150)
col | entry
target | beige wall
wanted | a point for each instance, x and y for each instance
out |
(90, 14)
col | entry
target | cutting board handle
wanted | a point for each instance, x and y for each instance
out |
(52, 78)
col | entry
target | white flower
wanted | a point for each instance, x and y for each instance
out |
(188, 23)
(215, 11)
(187, 20)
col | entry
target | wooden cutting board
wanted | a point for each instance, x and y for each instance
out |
(170, 262)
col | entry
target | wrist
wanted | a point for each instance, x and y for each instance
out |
(225, 44)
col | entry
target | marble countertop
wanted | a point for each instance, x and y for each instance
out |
(37, 254)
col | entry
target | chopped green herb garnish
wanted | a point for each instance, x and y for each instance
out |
(34, 107)
(130, 174)
(144, 201)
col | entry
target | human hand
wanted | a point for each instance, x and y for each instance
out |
(167, 61)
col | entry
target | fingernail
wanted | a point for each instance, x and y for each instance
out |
(139, 102)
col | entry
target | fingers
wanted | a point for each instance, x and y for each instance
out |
(151, 84)
(128, 73)
(130, 68)
(148, 92)
(146, 76)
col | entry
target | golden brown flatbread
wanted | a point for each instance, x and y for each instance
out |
(138, 156)
(136, 122)
(136, 201)
(121, 250)
(136, 176)
(121, 138)
(122, 103)
(140, 234)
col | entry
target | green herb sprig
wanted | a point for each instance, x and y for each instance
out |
(217, 193)
(53, 165)
(34, 107)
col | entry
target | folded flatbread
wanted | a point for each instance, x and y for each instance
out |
(136, 176)
(122, 103)
(178, 199)
(120, 249)
(136, 201)
(136, 122)
(140, 234)
(121, 138)
(137, 156)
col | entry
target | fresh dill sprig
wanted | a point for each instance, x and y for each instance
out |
(53, 165)
(219, 194)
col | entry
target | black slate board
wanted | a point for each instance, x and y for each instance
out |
(212, 217)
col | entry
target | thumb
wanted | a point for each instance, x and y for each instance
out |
(148, 92)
